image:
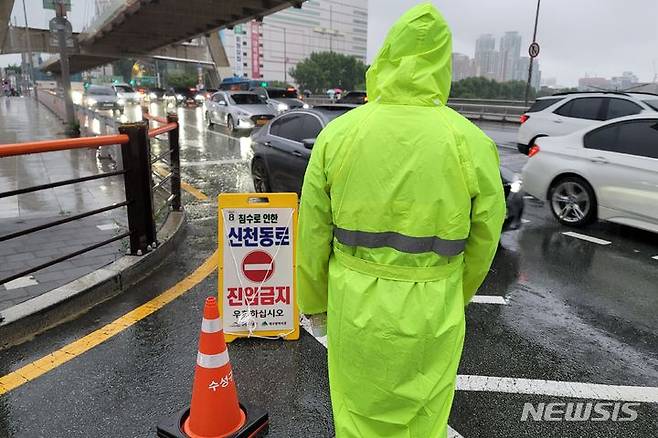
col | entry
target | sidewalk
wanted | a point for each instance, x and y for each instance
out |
(22, 119)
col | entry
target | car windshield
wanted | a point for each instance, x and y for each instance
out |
(276, 93)
(246, 99)
(652, 103)
(124, 88)
(100, 91)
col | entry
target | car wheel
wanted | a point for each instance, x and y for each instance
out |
(572, 201)
(209, 120)
(230, 125)
(260, 177)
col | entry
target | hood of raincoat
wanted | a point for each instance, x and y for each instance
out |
(414, 66)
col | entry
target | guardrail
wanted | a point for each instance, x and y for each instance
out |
(475, 109)
(137, 160)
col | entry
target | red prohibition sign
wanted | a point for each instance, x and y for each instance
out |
(258, 266)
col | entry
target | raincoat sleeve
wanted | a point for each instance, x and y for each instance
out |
(487, 217)
(315, 235)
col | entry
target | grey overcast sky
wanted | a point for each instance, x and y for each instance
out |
(577, 37)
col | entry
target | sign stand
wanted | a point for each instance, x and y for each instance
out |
(257, 234)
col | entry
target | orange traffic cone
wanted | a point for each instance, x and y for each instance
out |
(215, 411)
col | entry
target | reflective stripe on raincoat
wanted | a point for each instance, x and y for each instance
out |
(401, 212)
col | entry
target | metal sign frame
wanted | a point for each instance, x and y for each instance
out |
(241, 201)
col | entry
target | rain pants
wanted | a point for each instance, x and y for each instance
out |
(401, 212)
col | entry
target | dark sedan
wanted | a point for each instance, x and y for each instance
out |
(283, 147)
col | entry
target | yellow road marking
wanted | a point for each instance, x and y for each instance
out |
(51, 361)
(198, 194)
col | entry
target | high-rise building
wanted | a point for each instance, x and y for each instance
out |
(270, 49)
(486, 57)
(510, 53)
(462, 67)
(593, 84)
(625, 81)
(521, 72)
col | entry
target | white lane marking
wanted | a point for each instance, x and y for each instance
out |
(489, 299)
(592, 391)
(307, 325)
(655, 257)
(107, 227)
(525, 221)
(452, 433)
(21, 282)
(587, 238)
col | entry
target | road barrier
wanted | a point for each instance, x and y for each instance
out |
(137, 170)
(506, 111)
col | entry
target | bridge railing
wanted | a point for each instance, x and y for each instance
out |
(507, 111)
(135, 142)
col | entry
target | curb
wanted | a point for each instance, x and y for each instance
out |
(23, 321)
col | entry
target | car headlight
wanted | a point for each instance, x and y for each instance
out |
(153, 96)
(306, 106)
(179, 96)
(517, 185)
(91, 101)
(282, 107)
(121, 101)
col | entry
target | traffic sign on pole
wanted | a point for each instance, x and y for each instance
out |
(533, 50)
(257, 265)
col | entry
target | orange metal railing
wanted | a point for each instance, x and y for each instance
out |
(8, 150)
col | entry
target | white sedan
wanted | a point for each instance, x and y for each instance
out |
(609, 172)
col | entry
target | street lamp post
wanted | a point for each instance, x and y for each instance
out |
(64, 63)
(532, 58)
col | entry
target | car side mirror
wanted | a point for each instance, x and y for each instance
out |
(308, 143)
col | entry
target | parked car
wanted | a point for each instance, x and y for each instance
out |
(283, 147)
(564, 113)
(204, 95)
(355, 97)
(176, 96)
(608, 172)
(100, 97)
(126, 94)
(154, 94)
(281, 99)
(238, 110)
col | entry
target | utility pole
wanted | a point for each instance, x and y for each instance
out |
(532, 58)
(30, 67)
(60, 11)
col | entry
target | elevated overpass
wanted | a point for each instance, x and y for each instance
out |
(6, 7)
(138, 28)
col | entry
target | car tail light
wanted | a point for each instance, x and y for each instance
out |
(534, 150)
(524, 118)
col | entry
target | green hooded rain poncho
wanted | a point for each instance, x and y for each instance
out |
(401, 212)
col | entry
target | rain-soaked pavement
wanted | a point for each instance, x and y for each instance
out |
(575, 311)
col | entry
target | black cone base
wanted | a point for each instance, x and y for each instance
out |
(256, 425)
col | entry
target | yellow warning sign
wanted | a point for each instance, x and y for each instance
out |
(257, 234)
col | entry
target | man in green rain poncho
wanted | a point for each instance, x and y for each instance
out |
(401, 212)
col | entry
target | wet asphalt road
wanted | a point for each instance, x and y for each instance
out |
(576, 312)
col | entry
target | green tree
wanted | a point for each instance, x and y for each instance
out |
(181, 79)
(13, 68)
(482, 88)
(325, 70)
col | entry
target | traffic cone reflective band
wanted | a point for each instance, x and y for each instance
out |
(215, 411)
